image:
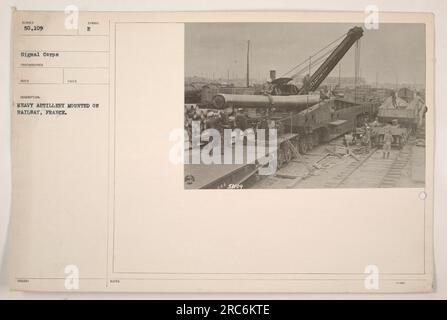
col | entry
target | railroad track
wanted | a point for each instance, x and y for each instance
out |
(395, 171)
(347, 172)
(373, 171)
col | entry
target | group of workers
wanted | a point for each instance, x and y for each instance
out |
(219, 120)
(367, 137)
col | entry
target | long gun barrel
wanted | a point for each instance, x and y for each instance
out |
(297, 102)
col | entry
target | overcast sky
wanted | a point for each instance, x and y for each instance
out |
(395, 51)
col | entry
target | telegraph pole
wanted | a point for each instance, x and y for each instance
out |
(377, 79)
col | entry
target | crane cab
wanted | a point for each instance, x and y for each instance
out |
(282, 87)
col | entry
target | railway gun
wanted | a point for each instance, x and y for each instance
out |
(303, 118)
(308, 117)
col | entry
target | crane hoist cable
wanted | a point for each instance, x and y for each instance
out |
(316, 53)
(357, 68)
(312, 64)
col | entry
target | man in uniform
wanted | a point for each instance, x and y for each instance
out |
(348, 139)
(223, 117)
(240, 121)
(211, 121)
(376, 122)
(367, 137)
(387, 140)
(190, 111)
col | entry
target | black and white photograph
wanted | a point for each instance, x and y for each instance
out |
(304, 105)
(323, 124)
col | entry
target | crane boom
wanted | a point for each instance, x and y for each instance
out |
(329, 64)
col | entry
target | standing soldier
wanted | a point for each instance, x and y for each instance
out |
(348, 139)
(224, 118)
(367, 137)
(211, 121)
(202, 120)
(387, 140)
(376, 122)
(187, 124)
(191, 111)
(240, 121)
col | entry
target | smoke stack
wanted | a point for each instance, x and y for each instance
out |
(272, 75)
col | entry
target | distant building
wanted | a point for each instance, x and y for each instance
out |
(366, 93)
(344, 81)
